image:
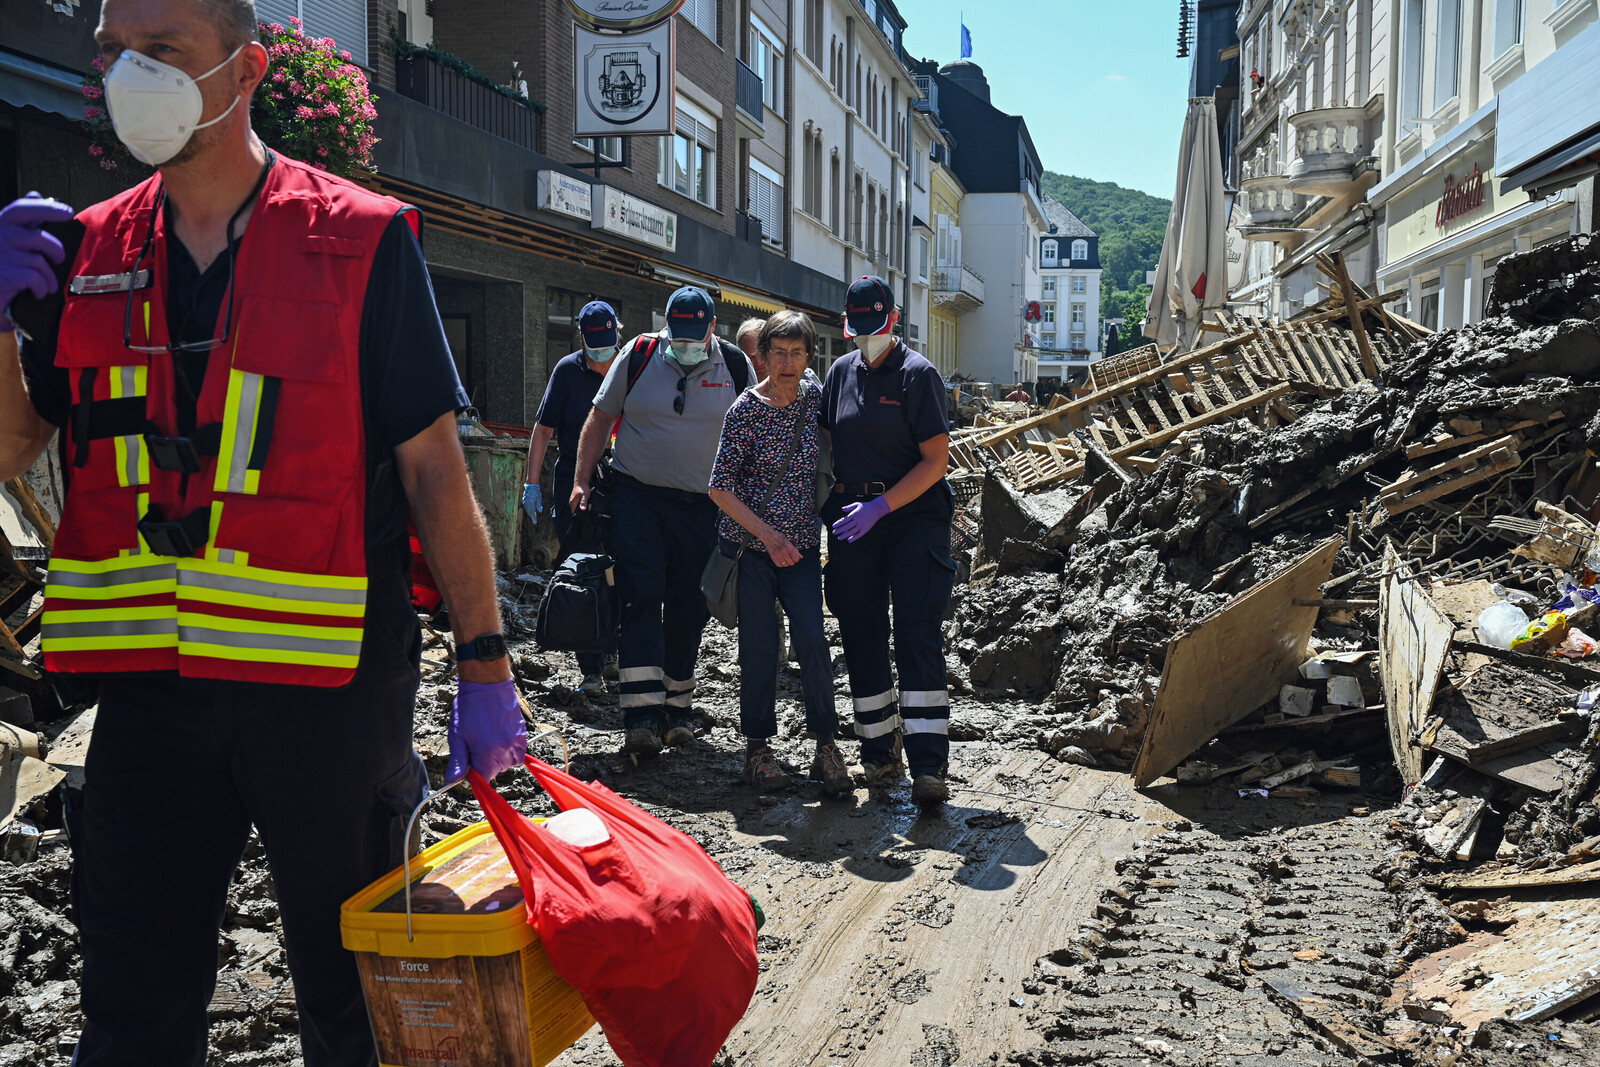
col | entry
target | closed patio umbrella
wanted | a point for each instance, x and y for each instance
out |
(1192, 275)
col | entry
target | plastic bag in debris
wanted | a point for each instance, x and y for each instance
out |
(1500, 623)
(1574, 596)
(1577, 645)
(1543, 633)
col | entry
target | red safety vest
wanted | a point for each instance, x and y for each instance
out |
(251, 566)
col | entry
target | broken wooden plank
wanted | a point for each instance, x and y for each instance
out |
(1517, 879)
(1413, 640)
(1309, 720)
(1288, 774)
(1258, 641)
(1428, 448)
(1357, 327)
(1560, 730)
(1328, 1019)
(1573, 670)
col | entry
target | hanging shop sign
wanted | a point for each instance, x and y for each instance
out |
(623, 14)
(1033, 312)
(1460, 196)
(565, 195)
(638, 220)
(623, 85)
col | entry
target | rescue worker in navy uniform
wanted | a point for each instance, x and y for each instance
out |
(252, 384)
(889, 522)
(663, 524)
(568, 399)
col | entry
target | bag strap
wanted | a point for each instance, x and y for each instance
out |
(638, 359)
(777, 479)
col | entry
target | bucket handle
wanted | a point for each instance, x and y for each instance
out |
(545, 730)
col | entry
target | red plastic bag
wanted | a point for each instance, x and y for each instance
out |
(661, 945)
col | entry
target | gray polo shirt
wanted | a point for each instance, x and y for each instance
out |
(655, 444)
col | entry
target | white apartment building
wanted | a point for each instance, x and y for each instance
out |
(1486, 95)
(1312, 120)
(851, 120)
(1069, 296)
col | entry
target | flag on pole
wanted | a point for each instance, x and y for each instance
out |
(966, 41)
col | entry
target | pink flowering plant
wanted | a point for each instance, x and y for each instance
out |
(314, 104)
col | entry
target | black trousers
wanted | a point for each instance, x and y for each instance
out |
(178, 770)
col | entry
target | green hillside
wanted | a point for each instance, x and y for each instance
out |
(1131, 225)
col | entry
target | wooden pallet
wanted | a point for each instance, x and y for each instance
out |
(1448, 474)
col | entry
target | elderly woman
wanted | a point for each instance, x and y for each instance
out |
(782, 558)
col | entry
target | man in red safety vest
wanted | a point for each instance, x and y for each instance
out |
(254, 394)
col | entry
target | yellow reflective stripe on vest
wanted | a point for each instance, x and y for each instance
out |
(258, 587)
(247, 637)
(111, 579)
(239, 434)
(133, 458)
(221, 555)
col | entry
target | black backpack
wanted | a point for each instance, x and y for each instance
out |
(580, 607)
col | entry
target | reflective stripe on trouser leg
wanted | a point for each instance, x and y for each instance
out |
(925, 712)
(639, 689)
(876, 715)
(680, 694)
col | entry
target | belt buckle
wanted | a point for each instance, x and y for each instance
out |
(173, 453)
(876, 488)
(168, 538)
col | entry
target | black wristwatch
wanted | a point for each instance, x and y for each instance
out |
(488, 646)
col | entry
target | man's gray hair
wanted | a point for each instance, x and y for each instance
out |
(236, 20)
(747, 327)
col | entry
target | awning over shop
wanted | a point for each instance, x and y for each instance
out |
(27, 82)
(742, 298)
(1550, 119)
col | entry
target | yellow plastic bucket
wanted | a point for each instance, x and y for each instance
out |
(474, 985)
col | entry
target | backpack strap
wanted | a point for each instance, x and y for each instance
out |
(738, 369)
(638, 359)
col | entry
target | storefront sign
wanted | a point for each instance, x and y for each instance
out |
(1459, 197)
(635, 219)
(623, 14)
(623, 85)
(565, 195)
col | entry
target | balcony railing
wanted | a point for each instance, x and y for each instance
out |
(1273, 205)
(928, 93)
(424, 80)
(956, 288)
(1329, 143)
(747, 96)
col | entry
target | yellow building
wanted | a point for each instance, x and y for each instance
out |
(946, 193)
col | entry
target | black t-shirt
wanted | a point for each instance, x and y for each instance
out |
(568, 401)
(408, 378)
(879, 417)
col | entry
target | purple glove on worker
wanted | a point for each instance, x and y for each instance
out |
(859, 519)
(27, 253)
(487, 730)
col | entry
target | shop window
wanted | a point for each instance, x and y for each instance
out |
(689, 157)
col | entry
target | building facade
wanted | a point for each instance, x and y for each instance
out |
(1001, 219)
(1482, 88)
(954, 290)
(1069, 298)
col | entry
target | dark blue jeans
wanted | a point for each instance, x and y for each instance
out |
(905, 560)
(661, 545)
(799, 590)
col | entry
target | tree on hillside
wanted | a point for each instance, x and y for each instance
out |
(1131, 225)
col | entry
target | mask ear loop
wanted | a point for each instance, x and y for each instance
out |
(229, 110)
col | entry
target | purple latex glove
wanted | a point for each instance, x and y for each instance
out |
(27, 253)
(860, 518)
(487, 730)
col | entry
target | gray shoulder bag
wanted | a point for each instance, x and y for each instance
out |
(719, 582)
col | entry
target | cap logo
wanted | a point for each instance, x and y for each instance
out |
(699, 314)
(878, 306)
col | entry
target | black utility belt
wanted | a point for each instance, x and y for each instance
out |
(187, 536)
(682, 496)
(861, 488)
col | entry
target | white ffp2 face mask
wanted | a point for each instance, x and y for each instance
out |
(155, 107)
(689, 353)
(874, 345)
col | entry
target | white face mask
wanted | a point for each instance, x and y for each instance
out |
(689, 353)
(874, 345)
(155, 107)
(601, 355)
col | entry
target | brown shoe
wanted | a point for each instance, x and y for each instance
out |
(762, 771)
(828, 767)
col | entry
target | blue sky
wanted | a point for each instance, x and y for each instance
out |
(1098, 82)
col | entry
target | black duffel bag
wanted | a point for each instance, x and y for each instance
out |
(580, 607)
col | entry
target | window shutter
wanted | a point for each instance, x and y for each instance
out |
(279, 11)
(343, 20)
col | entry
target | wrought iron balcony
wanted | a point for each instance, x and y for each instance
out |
(424, 80)
(1330, 143)
(747, 97)
(956, 288)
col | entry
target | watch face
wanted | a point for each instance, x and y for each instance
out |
(491, 646)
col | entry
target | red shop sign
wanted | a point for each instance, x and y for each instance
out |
(1459, 197)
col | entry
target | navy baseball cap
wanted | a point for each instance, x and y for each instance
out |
(599, 325)
(689, 314)
(867, 306)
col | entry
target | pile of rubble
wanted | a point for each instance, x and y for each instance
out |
(1286, 594)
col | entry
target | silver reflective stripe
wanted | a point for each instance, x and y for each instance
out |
(109, 628)
(282, 590)
(155, 572)
(675, 686)
(244, 427)
(639, 700)
(227, 555)
(681, 700)
(680, 694)
(877, 729)
(639, 674)
(921, 698)
(927, 726)
(204, 635)
(874, 703)
(132, 444)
